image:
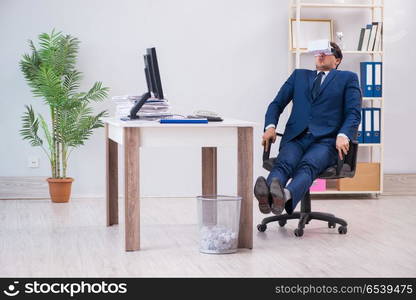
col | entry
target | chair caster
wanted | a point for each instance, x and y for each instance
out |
(262, 227)
(298, 232)
(282, 223)
(331, 225)
(342, 230)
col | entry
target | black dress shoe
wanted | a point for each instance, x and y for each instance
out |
(278, 197)
(262, 193)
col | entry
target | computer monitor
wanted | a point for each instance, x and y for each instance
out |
(154, 73)
(154, 84)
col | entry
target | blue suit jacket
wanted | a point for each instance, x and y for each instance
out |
(337, 109)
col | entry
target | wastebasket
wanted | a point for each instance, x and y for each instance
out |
(218, 219)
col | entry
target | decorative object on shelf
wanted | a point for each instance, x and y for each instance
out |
(340, 42)
(50, 72)
(310, 30)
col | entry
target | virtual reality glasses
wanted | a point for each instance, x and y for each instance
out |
(320, 47)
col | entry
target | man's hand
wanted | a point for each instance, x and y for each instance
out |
(269, 134)
(342, 145)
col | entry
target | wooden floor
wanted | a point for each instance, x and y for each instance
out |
(38, 238)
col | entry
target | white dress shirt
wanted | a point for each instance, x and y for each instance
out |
(322, 80)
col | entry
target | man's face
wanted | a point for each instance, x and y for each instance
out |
(326, 62)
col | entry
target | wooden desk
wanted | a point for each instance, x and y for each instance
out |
(136, 134)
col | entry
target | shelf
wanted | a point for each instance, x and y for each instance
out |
(372, 98)
(369, 144)
(303, 51)
(334, 191)
(338, 5)
(361, 52)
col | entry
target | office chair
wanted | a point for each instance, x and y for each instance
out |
(343, 168)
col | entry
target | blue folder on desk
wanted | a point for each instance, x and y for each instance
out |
(176, 121)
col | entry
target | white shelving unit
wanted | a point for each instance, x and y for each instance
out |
(295, 10)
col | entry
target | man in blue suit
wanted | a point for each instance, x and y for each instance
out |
(325, 115)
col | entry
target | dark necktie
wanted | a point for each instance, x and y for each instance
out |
(317, 85)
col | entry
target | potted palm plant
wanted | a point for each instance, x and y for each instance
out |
(50, 72)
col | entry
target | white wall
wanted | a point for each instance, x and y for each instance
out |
(227, 56)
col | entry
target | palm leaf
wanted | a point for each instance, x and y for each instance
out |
(71, 82)
(30, 64)
(49, 87)
(30, 127)
(96, 93)
(46, 131)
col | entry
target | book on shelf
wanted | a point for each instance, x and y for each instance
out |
(370, 37)
(360, 40)
(366, 37)
(379, 36)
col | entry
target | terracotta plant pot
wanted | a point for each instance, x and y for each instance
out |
(60, 189)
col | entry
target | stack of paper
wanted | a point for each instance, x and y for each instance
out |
(152, 108)
(123, 105)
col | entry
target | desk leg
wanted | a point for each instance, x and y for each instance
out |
(111, 149)
(209, 184)
(131, 188)
(245, 186)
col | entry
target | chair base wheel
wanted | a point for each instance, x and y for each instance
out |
(282, 223)
(298, 232)
(261, 227)
(342, 230)
(331, 225)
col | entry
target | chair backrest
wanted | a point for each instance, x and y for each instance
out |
(343, 168)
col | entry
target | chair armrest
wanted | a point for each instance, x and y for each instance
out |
(266, 152)
(350, 158)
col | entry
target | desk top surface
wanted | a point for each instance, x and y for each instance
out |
(155, 124)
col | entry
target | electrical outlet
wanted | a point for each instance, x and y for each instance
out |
(33, 162)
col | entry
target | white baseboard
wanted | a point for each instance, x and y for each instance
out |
(36, 187)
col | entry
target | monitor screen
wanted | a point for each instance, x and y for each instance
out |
(149, 74)
(154, 73)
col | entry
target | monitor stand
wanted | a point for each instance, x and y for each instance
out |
(137, 106)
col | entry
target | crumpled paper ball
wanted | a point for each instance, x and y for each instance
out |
(218, 239)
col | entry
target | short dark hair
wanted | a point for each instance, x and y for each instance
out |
(336, 50)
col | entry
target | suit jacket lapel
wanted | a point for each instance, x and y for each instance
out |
(312, 76)
(331, 75)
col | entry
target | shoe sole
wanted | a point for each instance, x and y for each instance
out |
(261, 192)
(278, 196)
